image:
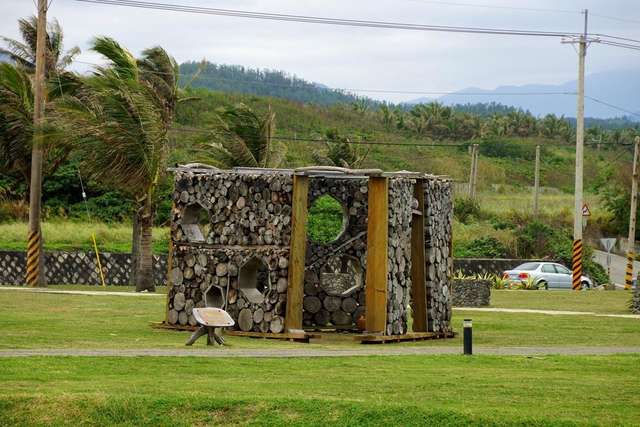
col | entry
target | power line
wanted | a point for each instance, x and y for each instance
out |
(615, 107)
(380, 143)
(489, 6)
(615, 18)
(323, 20)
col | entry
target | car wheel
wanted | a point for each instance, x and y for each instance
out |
(543, 285)
(585, 285)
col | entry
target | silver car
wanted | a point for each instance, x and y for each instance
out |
(544, 275)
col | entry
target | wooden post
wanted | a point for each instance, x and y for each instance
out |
(473, 175)
(297, 252)
(35, 254)
(418, 283)
(536, 183)
(377, 255)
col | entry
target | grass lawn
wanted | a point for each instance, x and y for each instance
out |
(616, 302)
(405, 390)
(389, 390)
(78, 321)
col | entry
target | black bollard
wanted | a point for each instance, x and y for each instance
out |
(467, 338)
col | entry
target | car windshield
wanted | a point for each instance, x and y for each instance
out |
(528, 266)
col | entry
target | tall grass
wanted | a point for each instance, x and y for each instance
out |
(68, 235)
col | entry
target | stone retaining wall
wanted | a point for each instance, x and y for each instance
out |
(470, 293)
(78, 268)
(470, 266)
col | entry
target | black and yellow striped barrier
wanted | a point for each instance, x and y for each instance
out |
(33, 258)
(628, 274)
(577, 265)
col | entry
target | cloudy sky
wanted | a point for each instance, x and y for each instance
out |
(346, 57)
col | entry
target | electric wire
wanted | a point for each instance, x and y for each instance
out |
(490, 6)
(324, 20)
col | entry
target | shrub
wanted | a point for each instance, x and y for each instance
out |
(465, 209)
(484, 247)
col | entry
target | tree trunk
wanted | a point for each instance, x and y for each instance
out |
(135, 246)
(144, 273)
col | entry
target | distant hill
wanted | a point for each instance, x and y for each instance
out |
(620, 87)
(236, 78)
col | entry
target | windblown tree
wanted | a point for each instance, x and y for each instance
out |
(119, 120)
(245, 138)
(340, 152)
(16, 97)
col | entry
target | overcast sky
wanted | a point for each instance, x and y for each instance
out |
(346, 57)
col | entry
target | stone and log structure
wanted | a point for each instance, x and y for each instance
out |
(239, 242)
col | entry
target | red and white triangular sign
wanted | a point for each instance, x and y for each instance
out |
(585, 210)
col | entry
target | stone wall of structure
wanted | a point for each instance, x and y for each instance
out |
(438, 211)
(635, 300)
(470, 293)
(78, 268)
(334, 288)
(399, 249)
(234, 255)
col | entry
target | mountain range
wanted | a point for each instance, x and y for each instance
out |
(620, 88)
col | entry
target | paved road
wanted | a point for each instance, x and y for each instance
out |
(549, 312)
(68, 292)
(618, 266)
(373, 350)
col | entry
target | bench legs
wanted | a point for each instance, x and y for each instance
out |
(210, 332)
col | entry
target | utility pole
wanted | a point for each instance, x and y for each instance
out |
(473, 175)
(35, 255)
(631, 242)
(577, 214)
(536, 184)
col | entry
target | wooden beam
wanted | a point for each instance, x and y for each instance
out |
(377, 255)
(297, 252)
(418, 281)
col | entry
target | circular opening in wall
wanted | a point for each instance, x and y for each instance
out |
(327, 220)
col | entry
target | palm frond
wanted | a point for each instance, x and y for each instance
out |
(123, 63)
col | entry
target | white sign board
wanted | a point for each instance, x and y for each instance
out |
(608, 244)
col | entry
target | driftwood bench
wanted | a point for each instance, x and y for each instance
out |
(211, 320)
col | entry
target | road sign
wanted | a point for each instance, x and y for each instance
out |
(585, 210)
(608, 244)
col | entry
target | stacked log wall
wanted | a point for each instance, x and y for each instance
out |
(249, 218)
(399, 253)
(438, 212)
(323, 308)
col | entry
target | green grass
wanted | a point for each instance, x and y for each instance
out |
(70, 236)
(384, 390)
(595, 301)
(78, 321)
(326, 218)
(406, 390)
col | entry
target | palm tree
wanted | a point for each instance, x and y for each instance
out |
(16, 97)
(244, 138)
(24, 53)
(341, 152)
(119, 121)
